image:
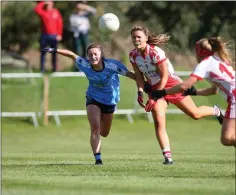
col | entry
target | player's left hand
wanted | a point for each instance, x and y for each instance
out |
(190, 91)
(150, 105)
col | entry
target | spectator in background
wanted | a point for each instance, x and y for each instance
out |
(51, 28)
(80, 25)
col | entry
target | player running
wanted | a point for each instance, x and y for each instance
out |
(214, 65)
(103, 92)
(150, 61)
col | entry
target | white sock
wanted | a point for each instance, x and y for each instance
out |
(167, 153)
(216, 111)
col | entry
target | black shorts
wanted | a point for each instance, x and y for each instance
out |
(106, 109)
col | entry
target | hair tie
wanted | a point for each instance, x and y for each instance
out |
(202, 52)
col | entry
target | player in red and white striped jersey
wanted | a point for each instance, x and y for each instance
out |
(150, 62)
(214, 65)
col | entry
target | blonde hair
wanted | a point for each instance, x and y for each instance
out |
(153, 39)
(216, 44)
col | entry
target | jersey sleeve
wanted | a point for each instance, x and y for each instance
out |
(81, 63)
(117, 67)
(157, 55)
(200, 70)
(39, 9)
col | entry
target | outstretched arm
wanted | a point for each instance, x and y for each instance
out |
(186, 88)
(180, 88)
(208, 91)
(131, 75)
(62, 52)
(187, 84)
(67, 53)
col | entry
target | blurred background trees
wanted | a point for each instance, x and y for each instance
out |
(186, 22)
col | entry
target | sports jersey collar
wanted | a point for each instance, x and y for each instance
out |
(103, 66)
(145, 52)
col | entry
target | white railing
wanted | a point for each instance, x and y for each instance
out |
(57, 114)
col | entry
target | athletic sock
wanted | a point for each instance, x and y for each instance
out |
(97, 156)
(216, 111)
(167, 153)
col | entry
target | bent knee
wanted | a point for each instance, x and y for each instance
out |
(195, 116)
(227, 141)
(104, 134)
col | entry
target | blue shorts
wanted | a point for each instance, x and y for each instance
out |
(106, 109)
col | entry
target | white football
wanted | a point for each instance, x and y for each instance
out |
(109, 23)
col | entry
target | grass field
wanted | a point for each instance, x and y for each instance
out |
(58, 161)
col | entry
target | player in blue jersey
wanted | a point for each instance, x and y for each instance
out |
(103, 92)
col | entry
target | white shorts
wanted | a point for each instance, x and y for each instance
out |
(230, 111)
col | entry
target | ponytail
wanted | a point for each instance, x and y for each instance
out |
(218, 45)
(160, 39)
(206, 47)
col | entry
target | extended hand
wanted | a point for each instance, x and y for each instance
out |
(190, 91)
(49, 50)
(150, 105)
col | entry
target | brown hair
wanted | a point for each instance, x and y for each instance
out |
(216, 44)
(153, 39)
(95, 45)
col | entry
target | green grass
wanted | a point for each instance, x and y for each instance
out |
(50, 160)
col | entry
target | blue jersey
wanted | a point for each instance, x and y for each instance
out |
(104, 85)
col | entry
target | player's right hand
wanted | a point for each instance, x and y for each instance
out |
(49, 50)
(140, 99)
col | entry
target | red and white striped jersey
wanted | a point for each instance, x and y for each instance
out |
(218, 72)
(148, 63)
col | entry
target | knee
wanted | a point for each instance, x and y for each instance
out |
(95, 129)
(104, 133)
(160, 128)
(227, 141)
(195, 115)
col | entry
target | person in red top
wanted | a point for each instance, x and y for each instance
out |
(51, 29)
(150, 63)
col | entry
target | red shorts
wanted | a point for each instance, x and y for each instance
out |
(174, 98)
